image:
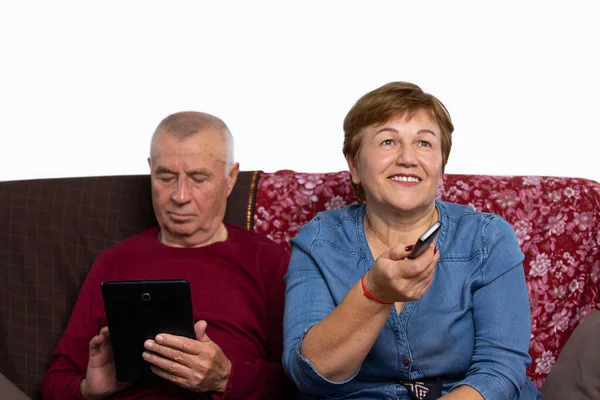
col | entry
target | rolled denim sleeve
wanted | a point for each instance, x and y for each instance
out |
(501, 313)
(307, 301)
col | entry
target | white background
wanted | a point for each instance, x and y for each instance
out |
(83, 84)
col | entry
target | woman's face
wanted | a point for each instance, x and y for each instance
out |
(399, 163)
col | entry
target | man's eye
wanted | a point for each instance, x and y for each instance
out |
(166, 179)
(199, 179)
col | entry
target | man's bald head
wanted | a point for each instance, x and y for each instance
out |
(185, 124)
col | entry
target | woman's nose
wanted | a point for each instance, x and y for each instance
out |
(406, 156)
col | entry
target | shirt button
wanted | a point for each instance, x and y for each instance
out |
(405, 361)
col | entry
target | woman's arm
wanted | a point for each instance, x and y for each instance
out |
(501, 316)
(463, 393)
(325, 343)
(338, 344)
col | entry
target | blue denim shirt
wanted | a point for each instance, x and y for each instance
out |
(472, 327)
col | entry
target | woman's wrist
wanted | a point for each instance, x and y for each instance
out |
(370, 293)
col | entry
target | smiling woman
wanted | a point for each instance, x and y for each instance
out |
(390, 102)
(403, 151)
(380, 323)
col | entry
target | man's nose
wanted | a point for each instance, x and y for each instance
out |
(181, 191)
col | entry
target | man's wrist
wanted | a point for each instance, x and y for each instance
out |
(85, 391)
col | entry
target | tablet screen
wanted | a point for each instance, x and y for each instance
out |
(138, 310)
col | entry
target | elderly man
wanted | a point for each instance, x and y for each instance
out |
(236, 278)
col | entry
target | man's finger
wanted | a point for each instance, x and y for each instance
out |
(173, 347)
(166, 368)
(96, 343)
(165, 357)
(104, 331)
(200, 330)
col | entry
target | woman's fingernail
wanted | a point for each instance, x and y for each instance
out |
(409, 248)
(435, 250)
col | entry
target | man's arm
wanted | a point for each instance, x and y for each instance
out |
(69, 364)
(69, 360)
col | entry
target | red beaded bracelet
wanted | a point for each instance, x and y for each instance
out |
(369, 295)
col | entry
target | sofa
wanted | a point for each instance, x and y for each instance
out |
(51, 230)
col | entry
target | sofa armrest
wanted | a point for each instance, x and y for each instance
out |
(9, 391)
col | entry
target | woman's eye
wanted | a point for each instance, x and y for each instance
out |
(387, 142)
(424, 143)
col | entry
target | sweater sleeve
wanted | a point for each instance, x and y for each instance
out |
(264, 378)
(69, 360)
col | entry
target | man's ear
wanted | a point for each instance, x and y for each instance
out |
(233, 175)
(150, 163)
(353, 168)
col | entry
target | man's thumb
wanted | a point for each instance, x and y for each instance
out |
(200, 330)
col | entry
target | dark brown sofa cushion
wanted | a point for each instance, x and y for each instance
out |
(51, 230)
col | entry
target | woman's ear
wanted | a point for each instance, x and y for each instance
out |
(353, 168)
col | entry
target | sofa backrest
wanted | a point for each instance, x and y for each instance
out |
(556, 221)
(51, 230)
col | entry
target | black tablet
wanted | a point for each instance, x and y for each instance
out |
(137, 310)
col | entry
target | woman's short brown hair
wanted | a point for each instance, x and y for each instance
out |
(393, 100)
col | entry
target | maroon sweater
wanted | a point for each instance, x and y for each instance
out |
(237, 287)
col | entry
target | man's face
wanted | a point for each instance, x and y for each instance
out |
(190, 186)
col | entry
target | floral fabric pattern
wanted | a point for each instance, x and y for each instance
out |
(556, 221)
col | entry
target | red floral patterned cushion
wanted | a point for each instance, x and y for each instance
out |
(556, 221)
